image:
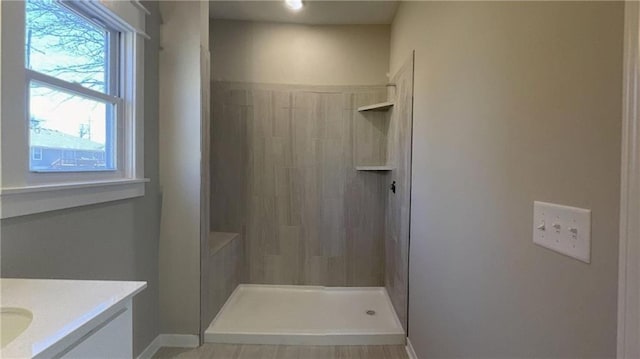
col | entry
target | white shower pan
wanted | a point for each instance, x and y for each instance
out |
(306, 315)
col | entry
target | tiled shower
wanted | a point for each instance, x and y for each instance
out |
(309, 188)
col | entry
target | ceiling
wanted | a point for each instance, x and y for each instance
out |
(315, 12)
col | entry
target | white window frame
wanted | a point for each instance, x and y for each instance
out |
(23, 192)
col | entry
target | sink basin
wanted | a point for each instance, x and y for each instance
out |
(13, 321)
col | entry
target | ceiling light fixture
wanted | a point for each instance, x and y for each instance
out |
(295, 5)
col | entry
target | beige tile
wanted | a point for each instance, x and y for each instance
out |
(398, 204)
(285, 157)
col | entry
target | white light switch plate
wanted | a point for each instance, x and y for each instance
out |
(564, 229)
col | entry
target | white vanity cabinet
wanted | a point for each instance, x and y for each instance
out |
(111, 339)
(76, 319)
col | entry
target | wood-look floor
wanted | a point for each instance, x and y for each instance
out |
(243, 351)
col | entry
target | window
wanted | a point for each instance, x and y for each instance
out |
(36, 153)
(71, 103)
(73, 100)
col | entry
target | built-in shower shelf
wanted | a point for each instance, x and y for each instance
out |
(374, 168)
(219, 240)
(382, 106)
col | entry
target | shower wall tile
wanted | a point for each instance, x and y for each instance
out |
(317, 268)
(284, 176)
(337, 271)
(223, 273)
(398, 204)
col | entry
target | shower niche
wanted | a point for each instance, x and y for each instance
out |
(371, 135)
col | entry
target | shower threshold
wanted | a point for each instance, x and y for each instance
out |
(306, 315)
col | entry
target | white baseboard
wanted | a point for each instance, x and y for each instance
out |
(151, 349)
(410, 352)
(169, 340)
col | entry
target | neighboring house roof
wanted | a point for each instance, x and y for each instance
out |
(55, 139)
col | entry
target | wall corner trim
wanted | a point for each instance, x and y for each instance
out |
(410, 351)
(169, 340)
(629, 255)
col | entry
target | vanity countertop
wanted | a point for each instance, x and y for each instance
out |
(62, 310)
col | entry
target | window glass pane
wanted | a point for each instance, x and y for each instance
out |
(65, 45)
(68, 132)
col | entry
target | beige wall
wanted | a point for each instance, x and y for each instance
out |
(514, 102)
(180, 121)
(299, 54)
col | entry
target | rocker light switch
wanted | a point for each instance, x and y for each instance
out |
(563, 229)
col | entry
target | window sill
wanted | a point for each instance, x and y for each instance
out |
(20, 201)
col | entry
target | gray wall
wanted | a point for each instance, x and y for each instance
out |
(514, 102)
(111, 241)
(183, 35)
(283, 175)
